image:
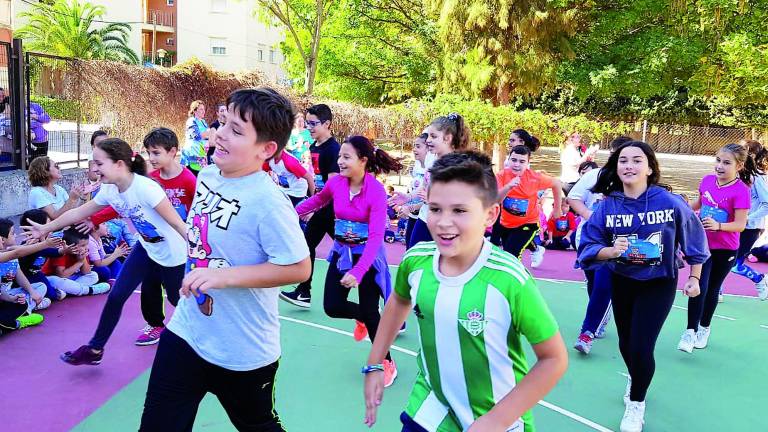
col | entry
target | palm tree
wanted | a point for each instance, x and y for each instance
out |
(66, 28)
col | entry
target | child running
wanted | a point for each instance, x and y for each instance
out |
(412, 203)
(161, 247)
(473, 304)
(758, 210)
(358, 259)
(446, 134)
(247, 242)
(583, 201)
(325, 156)
(723, 205)
(635, 232)
(518, 192)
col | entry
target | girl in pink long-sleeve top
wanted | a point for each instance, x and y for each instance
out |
(357, 259)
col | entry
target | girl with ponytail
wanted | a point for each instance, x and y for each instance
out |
(161, 252)
(754, 170)
(357, 259)
(446, 134)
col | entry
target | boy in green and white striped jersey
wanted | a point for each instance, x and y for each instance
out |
(473, 302)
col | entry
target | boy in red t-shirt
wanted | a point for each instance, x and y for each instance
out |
(179, 184)
(560, 229)
(72, 271)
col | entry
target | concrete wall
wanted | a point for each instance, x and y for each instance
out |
(15, 189)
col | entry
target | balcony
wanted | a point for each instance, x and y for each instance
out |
(157, 20)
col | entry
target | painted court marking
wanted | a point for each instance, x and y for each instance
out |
(543, 403)
(715, 315)
(764, 326)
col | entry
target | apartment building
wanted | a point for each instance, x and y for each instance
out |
(221, 33)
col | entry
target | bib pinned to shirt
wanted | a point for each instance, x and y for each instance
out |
(718, 214)
(350, 232)
(641, 252)
(561, 225)
(515, 206)
(319, 183)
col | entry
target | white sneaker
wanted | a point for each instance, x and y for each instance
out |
(626, 392)
(702, 337)
(634, 417)
(45, 303)
(762, 289)
(100, 288)
(687, 340)
(60, 294)
(538, 256)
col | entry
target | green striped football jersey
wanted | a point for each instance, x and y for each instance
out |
(470, 329)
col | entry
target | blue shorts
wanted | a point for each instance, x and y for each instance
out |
(409, 425)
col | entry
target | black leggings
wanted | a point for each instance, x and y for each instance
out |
(747, 239)
(640, 309)
(336, 304)
(701, 308)
(180, 379)
(408, 231)
(9, 313)
(516, 240)
(321, 223)
(138, 268)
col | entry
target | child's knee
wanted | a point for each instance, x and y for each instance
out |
(89, 279)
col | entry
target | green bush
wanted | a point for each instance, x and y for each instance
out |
(58, 109)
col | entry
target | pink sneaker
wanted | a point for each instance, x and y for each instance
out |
(360, 331)
(149, 336)
(390, 372)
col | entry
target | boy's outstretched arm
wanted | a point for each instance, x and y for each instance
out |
(552, 361)
(265, 275)
(395, 313)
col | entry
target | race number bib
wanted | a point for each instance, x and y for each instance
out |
(718, 214)
(319, 182)
(350, 232)
(515, 206)
(642, 252)
(561, 225)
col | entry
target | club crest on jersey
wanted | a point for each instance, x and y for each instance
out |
(475, 322)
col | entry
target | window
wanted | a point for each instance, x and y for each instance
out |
(272, 56)
(170, 41)
(218, 5)
(218, 46)
(169, 2)
(260, 55)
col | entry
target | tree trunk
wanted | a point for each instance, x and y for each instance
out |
(499, 145)
(310, 69)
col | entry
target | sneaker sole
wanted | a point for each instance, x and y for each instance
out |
(582, 349)
(137, 343)
(298, 303)
(93, 363)
(685, 350)
(394, 377)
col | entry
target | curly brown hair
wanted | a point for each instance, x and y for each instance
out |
(40, 171)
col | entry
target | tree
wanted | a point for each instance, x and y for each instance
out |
(67, 29)
(304, 21)
(496, 49)
(379, 51)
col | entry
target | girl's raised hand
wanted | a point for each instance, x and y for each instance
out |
(398, 199)
(34, 230)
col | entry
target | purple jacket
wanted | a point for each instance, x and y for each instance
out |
(41, 135)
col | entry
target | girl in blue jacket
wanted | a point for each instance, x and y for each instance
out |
(636, 232)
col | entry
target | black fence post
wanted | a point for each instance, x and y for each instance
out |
(18, 102)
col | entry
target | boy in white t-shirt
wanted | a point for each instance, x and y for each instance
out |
(244, 242)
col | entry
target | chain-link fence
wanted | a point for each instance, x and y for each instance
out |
(684, 139)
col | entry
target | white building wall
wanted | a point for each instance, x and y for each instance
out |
(239, 31)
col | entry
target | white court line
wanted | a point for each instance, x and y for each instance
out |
(764, 326)
(715, 315)
(543, 403)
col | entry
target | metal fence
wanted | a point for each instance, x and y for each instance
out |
(57, 125)
(7, 147)
(684, 139)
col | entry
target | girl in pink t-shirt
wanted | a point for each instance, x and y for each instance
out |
(723, 205)
(357, 259)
